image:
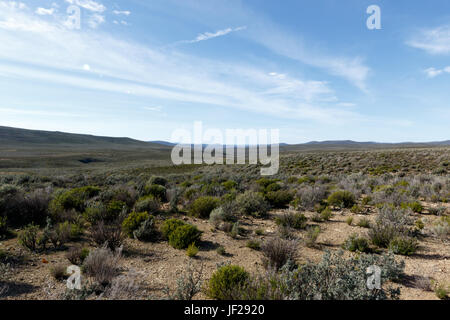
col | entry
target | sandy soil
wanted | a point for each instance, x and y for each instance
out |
(158, 265)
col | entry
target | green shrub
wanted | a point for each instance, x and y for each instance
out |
(306, 179)
(133, 222)
(390, 224)
(236, 230)
(355, 243)
(404, 245)
(252, 203)
(202, 207)
(221, 214)
(229, 185)
(125, 194)
(158, 180)
(326, 214)
(72, 199)
(146, 231)
(381, 235)
(311, 236)
(364, 223)
(280, 198)
(169, 226)
(226, 281)
(192, 250)
(341, 199)
(221, 250)
(28, 237)
(441, 291)
(414, 206)
(356, 209)
(115, 208)
(265, 182)
(349, 221)
(290, 219)
(419, 224)
(148, 203)
(183, 236)
(272, 187)
(253, 244)
(64, 232)
(95, 212)
(366, 201)
(3, 227)
(157, 191)
(259, 232)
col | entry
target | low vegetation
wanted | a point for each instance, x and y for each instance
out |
(309, 232)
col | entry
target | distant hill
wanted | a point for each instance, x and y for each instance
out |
(355, 145)
(339, 142)
(15, 137)
(164, 143)
(47, 150)
(371, 143)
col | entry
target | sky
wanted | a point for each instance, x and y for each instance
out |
(145, 68)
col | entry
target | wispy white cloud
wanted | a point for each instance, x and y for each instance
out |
(433, 41)
(130, 68)
(13, 5)
(14, 18)
(433, 72)
(88, 5)
(210, 35)
(44, 12)
(122, 22)
(95, 20)
(118, 12)
(265, 32)
(280, 42)
(156, 108)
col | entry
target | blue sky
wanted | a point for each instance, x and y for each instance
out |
(144, 68)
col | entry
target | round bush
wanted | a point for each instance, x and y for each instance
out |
(73, 199)
(170, 226)
(272, 187)
(158, 180)
(341, 199)
(183, 236)
(280, 198)
(202, 207)
(146, 231)
(229, 185)
(133, 222)
(115, 208)
(147, 203)
(252, 203)
(404, 245)
(226, 282)
(157, 191)
(354, 243)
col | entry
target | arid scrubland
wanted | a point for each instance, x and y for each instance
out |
(225, 232)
